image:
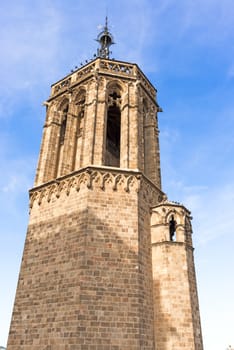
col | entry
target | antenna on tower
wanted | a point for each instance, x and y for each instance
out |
(105, 40)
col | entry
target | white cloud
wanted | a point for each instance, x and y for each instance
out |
(11, 185)
(213, 17)
(17, 171)
(29, 46)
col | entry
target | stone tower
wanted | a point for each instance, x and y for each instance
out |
(108, 261)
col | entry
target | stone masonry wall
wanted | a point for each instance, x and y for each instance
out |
(86, 271)
(173, 316)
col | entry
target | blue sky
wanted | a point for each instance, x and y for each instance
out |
(186, 49)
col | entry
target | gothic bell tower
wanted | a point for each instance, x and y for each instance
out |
(104, 114)
(97, 238)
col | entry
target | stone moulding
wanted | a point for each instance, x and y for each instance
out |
(103, 67)
(101, 178)
(117, 67)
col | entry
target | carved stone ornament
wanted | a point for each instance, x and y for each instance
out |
(97, 178)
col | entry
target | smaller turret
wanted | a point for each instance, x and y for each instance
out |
(177, 319)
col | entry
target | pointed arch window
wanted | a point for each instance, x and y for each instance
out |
(172, 229)
(62, 134)
(146, 136)
(80, 123)
(80, 102)
(63, 125)
(113, 129)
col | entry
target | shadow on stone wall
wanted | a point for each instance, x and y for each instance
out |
(165, 332)
(81, 285)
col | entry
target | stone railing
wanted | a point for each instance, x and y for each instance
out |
(62, 85)
(112, 67)
(116, 67)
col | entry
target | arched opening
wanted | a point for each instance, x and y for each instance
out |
(79, 142)
(146, 140)
(63, 125)
(172, 229)
(62, 135)
(113, 129)
(113, 137)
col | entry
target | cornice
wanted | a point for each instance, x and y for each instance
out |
(172, 205)
(174, 244)
(98, 178)
(99, 67)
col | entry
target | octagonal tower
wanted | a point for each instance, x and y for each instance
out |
(89, 276)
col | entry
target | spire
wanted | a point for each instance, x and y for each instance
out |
(105, 40)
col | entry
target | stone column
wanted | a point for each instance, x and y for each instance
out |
(90, 123)
(151, 146)
(100, 126)
(47, 163)
(125, 131)
(133, 128)
(68, 152)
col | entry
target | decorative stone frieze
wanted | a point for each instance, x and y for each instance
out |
(98, 178)
(99, 67)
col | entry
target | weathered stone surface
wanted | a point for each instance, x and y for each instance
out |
(99, 269)
(86, 274)
(87, 94)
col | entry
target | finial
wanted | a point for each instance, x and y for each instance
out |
(105, 40)
(106, 24)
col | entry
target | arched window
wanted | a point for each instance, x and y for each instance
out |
(80, 103)
(113, 129)
(62, 134)
(63, 125)
(80, 122)
(172, 228)
(146, 136)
